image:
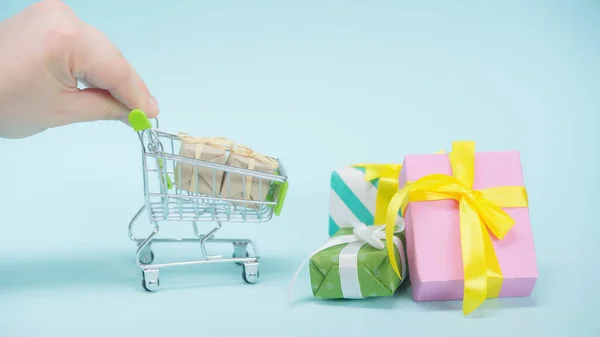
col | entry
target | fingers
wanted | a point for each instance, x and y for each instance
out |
(99, 64)
(89, 105)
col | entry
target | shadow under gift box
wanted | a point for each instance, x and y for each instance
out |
(433, 240)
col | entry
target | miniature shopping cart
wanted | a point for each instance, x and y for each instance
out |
(165, 202)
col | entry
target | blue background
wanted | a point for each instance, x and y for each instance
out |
(321, 84)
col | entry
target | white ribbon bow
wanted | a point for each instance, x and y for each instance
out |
(348, 259)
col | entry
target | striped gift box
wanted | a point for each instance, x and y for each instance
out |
(352, 198)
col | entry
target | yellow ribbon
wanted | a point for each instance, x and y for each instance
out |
(387, 188)
(479, 211)
(388, 175)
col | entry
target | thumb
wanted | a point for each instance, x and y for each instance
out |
(99, 64)
(90, 105)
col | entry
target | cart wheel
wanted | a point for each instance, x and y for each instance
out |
(150, 287)
(250, 273)
(147, 258)
(150, 281)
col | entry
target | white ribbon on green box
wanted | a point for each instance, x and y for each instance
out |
(348, 257)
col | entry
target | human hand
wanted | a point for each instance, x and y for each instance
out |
(44, 51)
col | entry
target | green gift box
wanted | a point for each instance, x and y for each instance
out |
(354, 264)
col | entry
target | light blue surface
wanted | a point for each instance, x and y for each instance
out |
(352, 82)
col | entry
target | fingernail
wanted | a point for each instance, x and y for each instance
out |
(153, 104)
(125, 121)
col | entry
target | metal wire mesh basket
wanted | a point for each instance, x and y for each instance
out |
(167, 199)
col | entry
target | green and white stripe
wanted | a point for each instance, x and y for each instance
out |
(352, 199)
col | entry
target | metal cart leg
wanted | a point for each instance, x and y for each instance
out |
(133, 220)
(147, 255)
(250, 264)
(240, 246)
(240, 249)
(204, 238)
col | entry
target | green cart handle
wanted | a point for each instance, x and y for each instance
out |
(139, 120)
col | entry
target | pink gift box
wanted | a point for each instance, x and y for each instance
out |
(433, 234)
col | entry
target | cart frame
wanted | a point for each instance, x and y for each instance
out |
(167, 203)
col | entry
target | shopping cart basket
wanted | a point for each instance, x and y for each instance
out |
(165, 202)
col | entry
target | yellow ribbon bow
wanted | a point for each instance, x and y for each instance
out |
(479, 211)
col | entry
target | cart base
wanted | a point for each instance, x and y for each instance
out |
(150, 272)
